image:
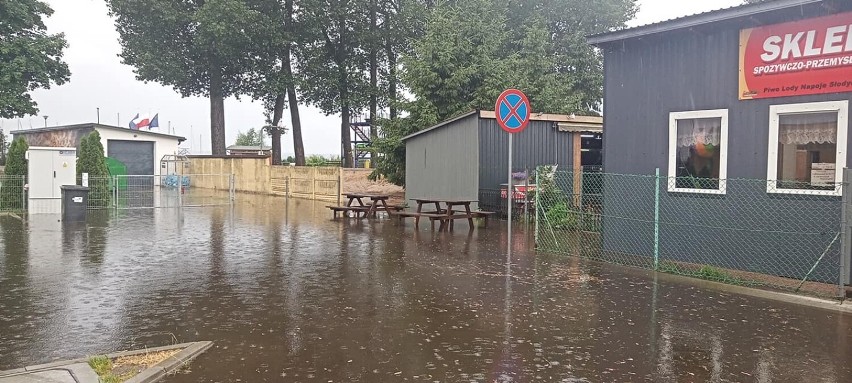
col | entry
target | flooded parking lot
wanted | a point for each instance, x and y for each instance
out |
(287, 294)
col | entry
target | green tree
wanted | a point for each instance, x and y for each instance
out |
(12, 186)
(199, 47)
(316, 160)
(16, 163)
(82, 157)
(92, 160)
(333, 62)
(3, 148)
(276, 81)
(471, 50)
(29, 57)
(252, 137)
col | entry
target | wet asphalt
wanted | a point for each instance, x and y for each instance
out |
(289, 295)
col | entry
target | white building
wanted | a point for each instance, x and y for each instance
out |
(139, 150)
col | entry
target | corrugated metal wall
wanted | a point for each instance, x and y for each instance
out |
(686, 70)
(647, 79)
(444, 163)
(539, 144)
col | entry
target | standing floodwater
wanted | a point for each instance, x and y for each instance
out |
(288, 295)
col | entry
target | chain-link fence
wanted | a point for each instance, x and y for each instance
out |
(743, 232)
(140, 192)
(13, 193)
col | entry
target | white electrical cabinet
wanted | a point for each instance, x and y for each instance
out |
(49, 169)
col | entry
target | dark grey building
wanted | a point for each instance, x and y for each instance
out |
(467, 157)
(745, 107)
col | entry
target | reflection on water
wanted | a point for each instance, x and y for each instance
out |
(287, 294)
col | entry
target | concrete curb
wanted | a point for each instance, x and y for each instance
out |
(158, 371)
(804, 300)
(778, 296)
(14, 371)
(149, 375)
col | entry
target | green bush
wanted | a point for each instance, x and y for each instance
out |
(316, 160)
(91, 160)
(11, 190)
(319, 160)
(560, 216)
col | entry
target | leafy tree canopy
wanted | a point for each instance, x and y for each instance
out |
(199, 47)
(30, 58)
(472, 50)
(252, 137)
(184, 43)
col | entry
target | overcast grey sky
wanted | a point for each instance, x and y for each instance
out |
(99, 80)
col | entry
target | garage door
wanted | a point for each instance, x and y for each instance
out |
(138, 156)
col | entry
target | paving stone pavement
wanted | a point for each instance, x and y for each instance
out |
(72, 373)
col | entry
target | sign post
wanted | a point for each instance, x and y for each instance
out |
(513, 115)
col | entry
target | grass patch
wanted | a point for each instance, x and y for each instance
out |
(104, 367)
(706, 272)
(123, 368)
(101, 364)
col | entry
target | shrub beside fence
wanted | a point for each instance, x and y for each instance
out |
(745, 236)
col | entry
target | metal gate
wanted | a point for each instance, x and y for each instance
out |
(163, 191)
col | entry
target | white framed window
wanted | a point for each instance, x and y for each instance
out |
(698, 151)
(807, 147)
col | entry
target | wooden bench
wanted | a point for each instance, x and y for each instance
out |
(441, 216)
(395, 208)
(346, 209)
(484, 215)
(413, 214)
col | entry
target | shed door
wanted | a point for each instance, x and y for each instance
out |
(138, 156)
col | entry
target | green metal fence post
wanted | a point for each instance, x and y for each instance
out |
(657, 219)
(537, 204)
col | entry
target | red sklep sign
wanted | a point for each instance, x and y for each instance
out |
(791, 59)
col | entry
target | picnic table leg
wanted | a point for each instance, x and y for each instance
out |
(384, 205)
(469, 216)
(417, 218)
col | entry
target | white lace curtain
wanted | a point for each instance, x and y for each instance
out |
(801, 129)
(705, 131)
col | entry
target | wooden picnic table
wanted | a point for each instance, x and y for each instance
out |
(356, 203)
(447, 215)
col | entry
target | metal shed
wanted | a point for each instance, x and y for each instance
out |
(467, 157)
(690, 64)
